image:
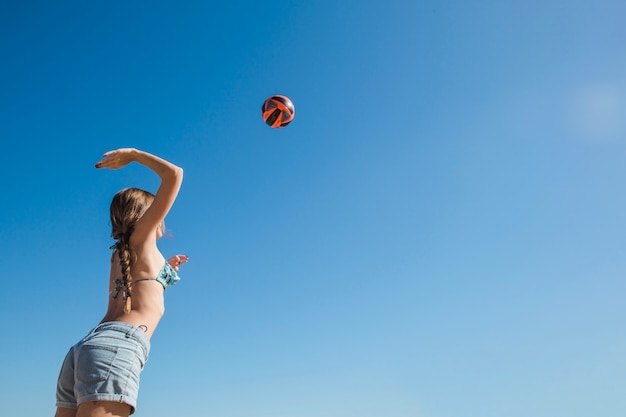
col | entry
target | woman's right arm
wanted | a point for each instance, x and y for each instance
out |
(171, 180)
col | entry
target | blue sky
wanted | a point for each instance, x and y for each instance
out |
(440, 232)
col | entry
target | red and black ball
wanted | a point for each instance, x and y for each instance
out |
(278, 111)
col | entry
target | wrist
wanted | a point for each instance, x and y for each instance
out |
(136, 155)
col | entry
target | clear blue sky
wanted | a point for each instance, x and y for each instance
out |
(440, 232)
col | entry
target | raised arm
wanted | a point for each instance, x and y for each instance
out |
(171, 180)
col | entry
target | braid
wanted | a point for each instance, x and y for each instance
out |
(125, 253)
(127, 207)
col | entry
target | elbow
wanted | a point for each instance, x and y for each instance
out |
(177, 174)
(173, 175)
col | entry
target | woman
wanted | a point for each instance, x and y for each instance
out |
(100, 374)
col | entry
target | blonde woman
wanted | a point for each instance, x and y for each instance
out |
(100, 374)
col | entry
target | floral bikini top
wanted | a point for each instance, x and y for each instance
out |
(167, 277)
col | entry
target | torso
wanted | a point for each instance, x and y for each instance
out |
(147, 301)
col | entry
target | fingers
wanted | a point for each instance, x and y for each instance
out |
(114, 159)
(107, 160)
(177, 261)
(181, 259)
(109, 163)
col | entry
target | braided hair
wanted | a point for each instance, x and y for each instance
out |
(127, 207)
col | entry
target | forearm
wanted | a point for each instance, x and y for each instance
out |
(164, 169)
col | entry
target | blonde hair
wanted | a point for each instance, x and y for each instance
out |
(127, 207)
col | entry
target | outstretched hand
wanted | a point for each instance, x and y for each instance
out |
(177, 261)
(116, 159)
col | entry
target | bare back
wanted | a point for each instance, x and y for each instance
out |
(148, 303)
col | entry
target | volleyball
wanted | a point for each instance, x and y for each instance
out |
(278, 111)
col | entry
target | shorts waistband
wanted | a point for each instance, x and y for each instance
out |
(129, 331)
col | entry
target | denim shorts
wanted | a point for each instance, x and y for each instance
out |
(104, 366)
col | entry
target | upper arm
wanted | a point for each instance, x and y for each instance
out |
(163, 201)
